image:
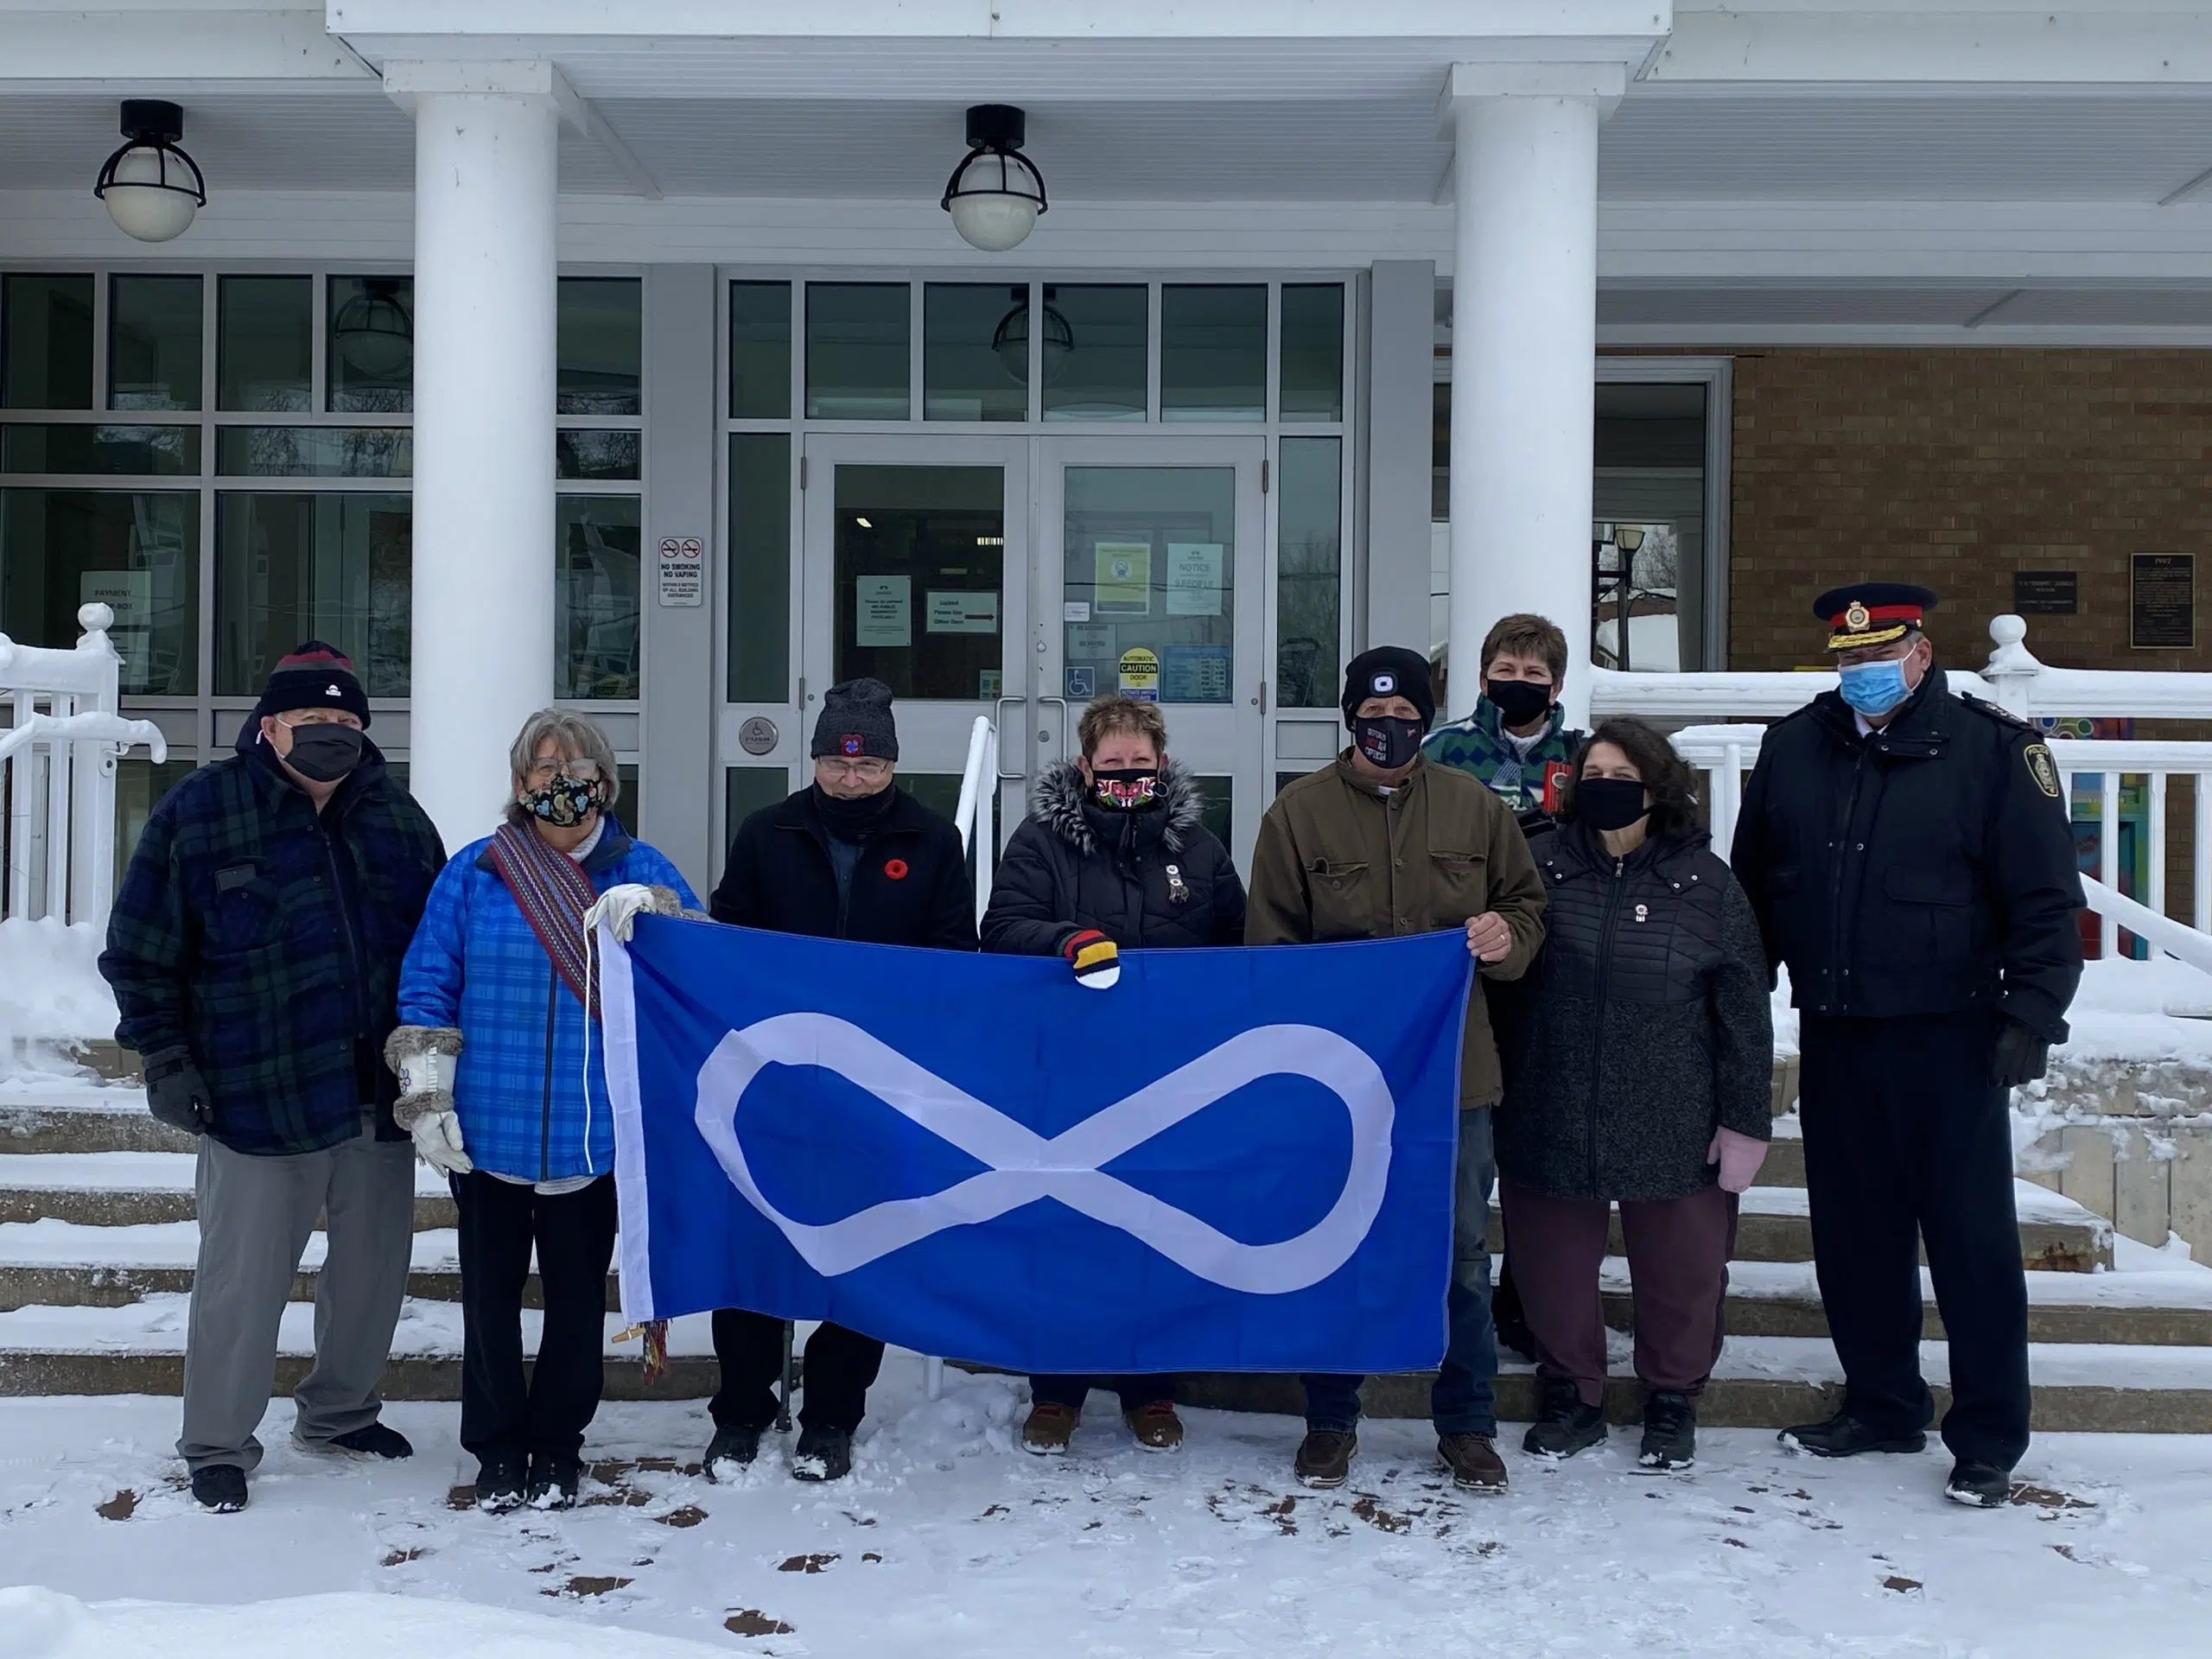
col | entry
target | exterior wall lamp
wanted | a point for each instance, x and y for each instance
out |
(1010, 340)
(151, 189)
(996, 193)
(373, 332)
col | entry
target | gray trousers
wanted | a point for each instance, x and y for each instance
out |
(255, 1215)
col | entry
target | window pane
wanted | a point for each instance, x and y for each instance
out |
(745, 790)
(1309, 579)
(597, 454)
(371, 345)
(153, 342)
(974, 351)
(155, 451)
(1151, 600)
(1097, 372)
(1313, 352)
(294, 567)
(600, 540)
(138, 553)
(601, 345)
(139, 785)
(856, 343)
(315, 452)
(1213, 352)
(264, 352)
(920, 572)
(759, 567)
(46, 342)
(760, 350)
(1219, 796)
(937, 790)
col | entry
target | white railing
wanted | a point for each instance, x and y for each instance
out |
(57, 757)
(975, 816)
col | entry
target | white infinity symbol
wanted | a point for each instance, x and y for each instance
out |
(1025, 1166)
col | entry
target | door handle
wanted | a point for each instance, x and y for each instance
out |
(1065, 741)
(998, 719)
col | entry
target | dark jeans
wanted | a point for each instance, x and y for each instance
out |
(1463, 1400)
(1073, 1391)
(1908, 1143)
(501, 1415)
(840, 1366)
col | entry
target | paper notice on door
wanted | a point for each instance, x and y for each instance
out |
(1122, 581)
(1076, 610)
(1090, 642)
(883, 611)
(959, 611)
(1194, 571)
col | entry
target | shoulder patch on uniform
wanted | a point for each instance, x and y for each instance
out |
(2003, 716)
(2042, 767)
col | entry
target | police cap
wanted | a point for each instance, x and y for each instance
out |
(1872, 612)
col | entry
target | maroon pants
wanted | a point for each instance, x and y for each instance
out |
(1678, 1251)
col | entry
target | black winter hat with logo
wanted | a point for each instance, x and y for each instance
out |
(855, 722)
(1390, 671)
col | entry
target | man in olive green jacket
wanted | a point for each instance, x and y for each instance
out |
(1380, 844)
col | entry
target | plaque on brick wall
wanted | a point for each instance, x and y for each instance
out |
(2163, 611)
(2045, 593)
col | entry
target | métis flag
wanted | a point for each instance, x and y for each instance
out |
(1231, 1161)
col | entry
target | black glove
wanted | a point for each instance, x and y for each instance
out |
(176, 1094)
(2021, 1056)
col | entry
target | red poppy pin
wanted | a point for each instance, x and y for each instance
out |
(896, 870)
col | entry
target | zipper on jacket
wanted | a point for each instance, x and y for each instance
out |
(545, 1125)
(1606, 931)
(1836, 986)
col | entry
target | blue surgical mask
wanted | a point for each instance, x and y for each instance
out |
(1874, 688)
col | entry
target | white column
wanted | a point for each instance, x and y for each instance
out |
(486, 275)
(1524, 293)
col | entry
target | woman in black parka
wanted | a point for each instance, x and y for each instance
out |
(1112, 857)
(1638, 1070)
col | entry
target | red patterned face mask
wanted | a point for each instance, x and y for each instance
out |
(1131, 789)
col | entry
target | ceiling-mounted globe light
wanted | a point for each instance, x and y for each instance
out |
(151, 187)
(1010, 340)
(372, 331)
(996, 193)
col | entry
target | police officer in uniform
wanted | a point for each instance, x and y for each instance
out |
(1908, 856)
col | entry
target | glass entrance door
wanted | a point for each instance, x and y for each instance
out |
(1150, 581)
(917, 574)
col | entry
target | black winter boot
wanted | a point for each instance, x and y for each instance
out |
(500, 1482)
(1979, 1485)
(1846, 1436)
(730, 1450)
(1669, 1433)
(1565, 1426)
(554, 1481)
(821, 1454)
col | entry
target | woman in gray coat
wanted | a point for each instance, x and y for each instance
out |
(1638, 1059)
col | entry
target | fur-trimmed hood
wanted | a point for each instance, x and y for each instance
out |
(1056, 800)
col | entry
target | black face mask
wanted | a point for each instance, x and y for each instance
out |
(1520, 702)
(325, 752)
(851, 820)
(1388, 741)
(1609, 803)
(1130, 789)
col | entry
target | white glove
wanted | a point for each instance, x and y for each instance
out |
(437, 1138)
(619, 906)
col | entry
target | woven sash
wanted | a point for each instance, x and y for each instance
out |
(553, 892)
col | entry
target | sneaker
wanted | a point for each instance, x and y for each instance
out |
(731, 1450)
(1473, 1461)
(1669, 1433)
(1846, 1436)
(1049, 1429)
(370, 1441)
(1325, 1458)
(219, 1488)
(1565, 1426)
(1979, 1485)
(553, 1482)
(1156, 1426)
(821, 1454)
(500, 1483)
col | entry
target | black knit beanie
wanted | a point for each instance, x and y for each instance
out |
(315, 676)
(1390, 671)
(856, 721)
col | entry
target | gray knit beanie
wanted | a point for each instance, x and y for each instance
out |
(856, 721)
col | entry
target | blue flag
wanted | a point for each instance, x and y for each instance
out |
(1231, 1161)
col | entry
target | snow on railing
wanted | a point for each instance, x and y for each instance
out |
(57, 758)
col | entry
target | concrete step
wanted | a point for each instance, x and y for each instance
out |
(104, 1120)
(122, 1189)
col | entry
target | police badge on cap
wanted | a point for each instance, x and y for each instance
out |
(1872, 612)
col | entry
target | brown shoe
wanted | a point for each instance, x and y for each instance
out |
(1324, 1456)
(1156, 1426)
(1474, 1463)
(1049, 1430)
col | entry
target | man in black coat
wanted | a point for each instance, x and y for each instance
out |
(853, 856)
(1909, 857)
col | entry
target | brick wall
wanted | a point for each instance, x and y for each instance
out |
(1955, 468)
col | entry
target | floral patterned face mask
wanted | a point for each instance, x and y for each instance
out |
(563, 803)
(1128, 790)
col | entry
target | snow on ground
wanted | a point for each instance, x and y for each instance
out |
(949, 1541)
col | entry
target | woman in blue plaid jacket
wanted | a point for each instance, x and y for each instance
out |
(503, 1072)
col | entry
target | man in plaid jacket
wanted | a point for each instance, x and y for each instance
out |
(254, 952)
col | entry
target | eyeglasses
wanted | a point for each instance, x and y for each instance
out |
(300, 717)
(583, 771)
(862, 772)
